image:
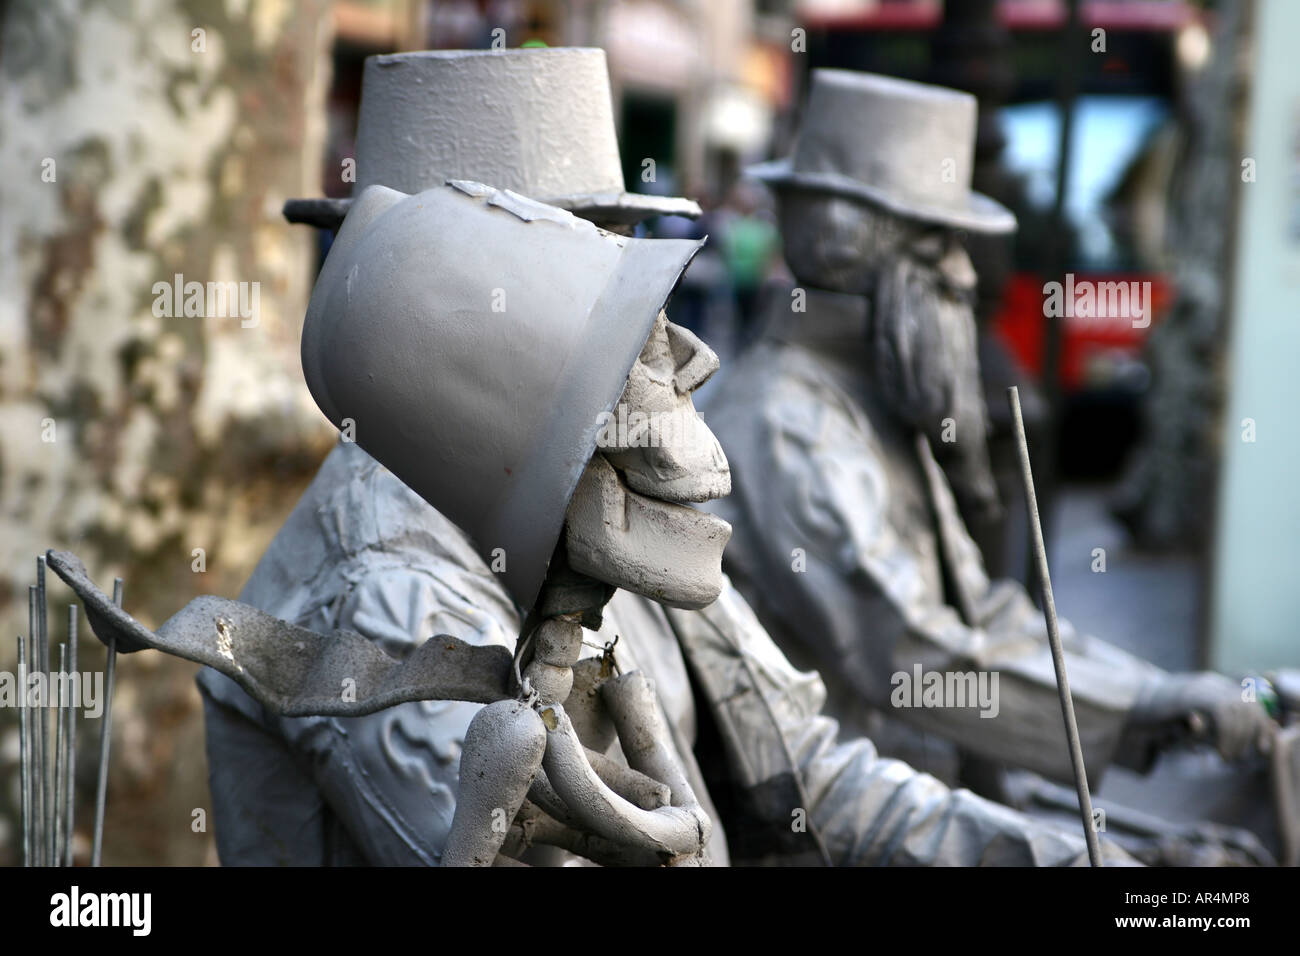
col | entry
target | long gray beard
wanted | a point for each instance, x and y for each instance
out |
(927, 373)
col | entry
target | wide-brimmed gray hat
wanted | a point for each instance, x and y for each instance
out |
(539, 122)
(907, 147)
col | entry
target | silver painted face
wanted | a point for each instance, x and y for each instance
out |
(628, 523)
(839, 244)
(830, 242)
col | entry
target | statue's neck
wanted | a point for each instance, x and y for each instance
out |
(569, 592)
(836, 326)
(820, 319)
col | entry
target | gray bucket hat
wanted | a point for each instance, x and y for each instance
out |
(907, 147)
(539, 122)
(472, 340)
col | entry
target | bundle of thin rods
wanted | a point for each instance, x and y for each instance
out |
(48, 791)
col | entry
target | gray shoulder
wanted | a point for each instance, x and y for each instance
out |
(360, 542)
(776, 392)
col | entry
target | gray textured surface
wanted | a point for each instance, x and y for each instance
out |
(538, 122)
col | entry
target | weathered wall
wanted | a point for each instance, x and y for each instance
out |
(133, 149)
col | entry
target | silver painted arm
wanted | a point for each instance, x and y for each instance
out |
(813, 542)
(865, 809)
(389, 778)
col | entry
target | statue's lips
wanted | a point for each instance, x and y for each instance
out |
(673, 507)
(676, 498)
(686, 489)
(688, 518)
(692, 470)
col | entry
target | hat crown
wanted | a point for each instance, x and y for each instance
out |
(910, 140)
(539, 122)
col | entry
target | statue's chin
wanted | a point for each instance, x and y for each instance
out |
(668, 552)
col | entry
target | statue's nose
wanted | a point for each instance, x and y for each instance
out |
(695, 361)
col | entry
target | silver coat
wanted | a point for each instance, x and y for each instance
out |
(848, 542)
(362, 551)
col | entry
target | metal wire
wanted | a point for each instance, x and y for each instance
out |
(105, 739)
(24, 770)
(47, 797)
(1054, 633)
(70, 761)
(35, 765)
(60, 760)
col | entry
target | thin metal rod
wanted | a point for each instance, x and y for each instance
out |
(70, 761)
(1054, 633)
(47, 769)
(60, 768)
(105, 738)
(35, 722)
(24, 771)
(33, 795)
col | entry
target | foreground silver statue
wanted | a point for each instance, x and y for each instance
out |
(475, 344)
(856, 428)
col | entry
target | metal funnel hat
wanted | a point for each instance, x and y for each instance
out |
(472, 340)
(907, 147)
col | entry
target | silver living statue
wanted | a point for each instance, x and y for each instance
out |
(480, 353)
(855, 428)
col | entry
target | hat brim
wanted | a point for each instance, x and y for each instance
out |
(978, 214)
(625, 209)
(621, 320)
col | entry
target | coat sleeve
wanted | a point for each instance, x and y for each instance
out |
(388, 779)
(797, 791)
(814, 546)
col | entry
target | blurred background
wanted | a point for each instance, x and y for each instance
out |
(1137, 140)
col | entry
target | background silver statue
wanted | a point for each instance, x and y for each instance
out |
(856, 427)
